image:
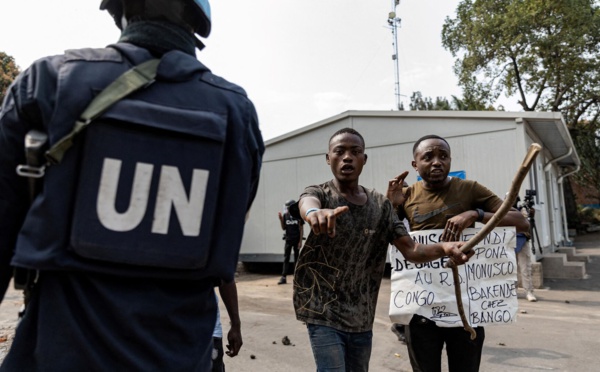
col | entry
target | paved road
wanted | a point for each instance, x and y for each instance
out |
(560, 332)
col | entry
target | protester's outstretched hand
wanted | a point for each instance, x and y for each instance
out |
(395, 189)
(322, 221)
(452, 250)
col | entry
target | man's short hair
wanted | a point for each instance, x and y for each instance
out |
(429, 136)
(349, 131)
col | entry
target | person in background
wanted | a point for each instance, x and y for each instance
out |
(523, 251)
(452, 204)
(341, 265)
(294, 233)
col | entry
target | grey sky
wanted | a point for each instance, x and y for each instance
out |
(299, 61)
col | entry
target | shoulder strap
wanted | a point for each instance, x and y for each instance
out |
(130, 81)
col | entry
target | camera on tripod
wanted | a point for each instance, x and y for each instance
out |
(528, 200)
(528, 204)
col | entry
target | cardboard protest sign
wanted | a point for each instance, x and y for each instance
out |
(488, 282)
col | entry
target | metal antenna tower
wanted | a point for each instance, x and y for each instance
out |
(394, 23)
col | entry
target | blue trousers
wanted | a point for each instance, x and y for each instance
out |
(339, 351)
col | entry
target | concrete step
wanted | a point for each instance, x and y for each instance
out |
(572, 254)
(557, 266)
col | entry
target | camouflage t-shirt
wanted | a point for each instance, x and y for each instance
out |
(427, 210)
(337, 280)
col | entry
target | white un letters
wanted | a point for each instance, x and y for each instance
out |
(171, 194)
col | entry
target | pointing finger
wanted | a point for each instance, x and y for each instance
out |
(340, 210)
(331, 219)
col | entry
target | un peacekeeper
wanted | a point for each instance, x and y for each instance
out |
(120, 270)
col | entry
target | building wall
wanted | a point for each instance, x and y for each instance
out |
(489, 151)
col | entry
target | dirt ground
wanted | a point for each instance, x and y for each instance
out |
(557, 333)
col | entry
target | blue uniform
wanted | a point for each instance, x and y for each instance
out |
(152, 313)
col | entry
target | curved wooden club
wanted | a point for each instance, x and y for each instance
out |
(509, 201)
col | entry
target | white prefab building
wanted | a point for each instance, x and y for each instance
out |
(486, 146)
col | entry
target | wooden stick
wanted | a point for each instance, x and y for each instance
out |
(461, 308)
(509, 201)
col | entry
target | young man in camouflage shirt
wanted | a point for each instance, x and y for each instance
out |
(341, 265)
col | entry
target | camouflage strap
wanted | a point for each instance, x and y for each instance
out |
(132, 80)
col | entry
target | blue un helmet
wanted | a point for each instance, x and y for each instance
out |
(196, 13)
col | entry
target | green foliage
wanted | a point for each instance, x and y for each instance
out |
(546, 52)
(468, 103)
(8, 72)
(589, 215)
(586, 137)
(420, 103)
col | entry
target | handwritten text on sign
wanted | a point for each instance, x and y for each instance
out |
(488, 282)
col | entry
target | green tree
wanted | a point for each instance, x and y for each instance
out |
(420, 103)
(545, 52)
(468, 103)
(8, 72)
(586, 136)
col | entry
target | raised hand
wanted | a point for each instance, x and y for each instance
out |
(395, 189)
